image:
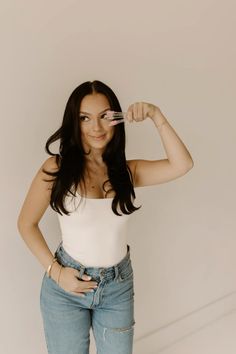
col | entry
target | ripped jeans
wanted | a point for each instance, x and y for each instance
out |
(109, 310)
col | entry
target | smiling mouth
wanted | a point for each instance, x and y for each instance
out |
(98, 137)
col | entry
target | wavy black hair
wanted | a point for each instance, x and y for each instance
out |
(71, 160)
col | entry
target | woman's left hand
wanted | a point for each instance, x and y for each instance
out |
(139, 111)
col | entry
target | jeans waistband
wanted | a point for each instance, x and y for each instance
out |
(66, 260)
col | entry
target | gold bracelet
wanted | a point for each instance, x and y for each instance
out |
(59, 275)
(50, 266)
(50, 271)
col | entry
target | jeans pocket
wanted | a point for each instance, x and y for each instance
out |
(55, 286)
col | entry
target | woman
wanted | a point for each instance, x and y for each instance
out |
(88, 282)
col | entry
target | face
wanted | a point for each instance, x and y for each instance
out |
(95, 129)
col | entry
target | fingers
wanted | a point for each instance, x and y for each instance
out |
(80, 292)
(82, 285)
(134, 112)
(88, 281)
(86, 277)
(129, 116)
(86, 284)
(138, 111)
(86, 290)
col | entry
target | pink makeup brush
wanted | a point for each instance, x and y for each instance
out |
(116, 117)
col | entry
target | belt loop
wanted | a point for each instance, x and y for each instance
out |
(116, 269)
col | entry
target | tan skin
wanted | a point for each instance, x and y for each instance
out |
(144, 172)
(94, 124)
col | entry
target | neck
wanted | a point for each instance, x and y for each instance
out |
(95, 161)
(94, 158)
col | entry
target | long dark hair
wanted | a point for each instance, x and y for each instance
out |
(71, 161)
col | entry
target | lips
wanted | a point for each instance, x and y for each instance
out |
(98, 137)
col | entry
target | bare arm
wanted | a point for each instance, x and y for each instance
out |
(34, 206)
(177, 163)
(177, 153)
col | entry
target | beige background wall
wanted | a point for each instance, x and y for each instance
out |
(178, 55)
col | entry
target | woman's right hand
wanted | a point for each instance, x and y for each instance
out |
(69, 280)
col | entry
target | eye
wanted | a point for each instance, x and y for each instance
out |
(104, 115)
(82, 117)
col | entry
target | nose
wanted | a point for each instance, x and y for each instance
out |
(96, 124)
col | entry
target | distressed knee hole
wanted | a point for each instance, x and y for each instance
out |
(119, 330)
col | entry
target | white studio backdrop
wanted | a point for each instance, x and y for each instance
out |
(178, 55)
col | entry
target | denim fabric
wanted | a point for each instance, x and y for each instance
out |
(108, 310)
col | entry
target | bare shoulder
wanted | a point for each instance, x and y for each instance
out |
(39, 194)
(51, 164)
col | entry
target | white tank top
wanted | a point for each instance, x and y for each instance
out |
(92, 234)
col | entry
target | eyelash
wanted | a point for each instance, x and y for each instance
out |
(81, 117)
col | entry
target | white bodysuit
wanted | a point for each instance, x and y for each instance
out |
(92, 234)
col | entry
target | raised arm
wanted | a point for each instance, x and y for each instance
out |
(178, 161)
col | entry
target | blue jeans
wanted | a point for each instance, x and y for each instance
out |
(109, 309)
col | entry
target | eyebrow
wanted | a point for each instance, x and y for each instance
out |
(99, 113)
